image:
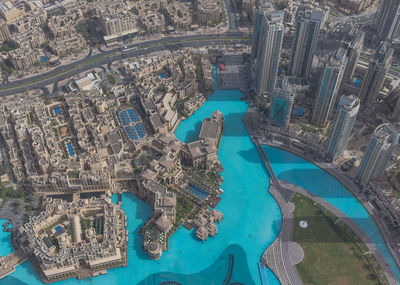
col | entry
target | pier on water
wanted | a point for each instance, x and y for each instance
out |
(9, 262)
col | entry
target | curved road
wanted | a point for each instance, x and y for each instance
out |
(138, 49)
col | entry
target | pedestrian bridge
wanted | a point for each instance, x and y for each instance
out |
(266, 161)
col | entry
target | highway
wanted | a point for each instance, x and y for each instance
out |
(92, 61)
(137, 49)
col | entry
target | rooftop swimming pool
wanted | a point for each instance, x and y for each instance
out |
(70, 149)
(57, 111)
(252, 218)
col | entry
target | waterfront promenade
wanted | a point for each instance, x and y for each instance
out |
(348, 222)
(350, 186)
(278, 255)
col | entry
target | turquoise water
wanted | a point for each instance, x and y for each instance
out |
(251, 221)
(252, 217)
(296, 170)
(5, 242)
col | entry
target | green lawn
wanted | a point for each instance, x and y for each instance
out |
(333, 254)
(111, 79)
(183, 208)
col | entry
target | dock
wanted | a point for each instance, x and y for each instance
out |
(9, 262)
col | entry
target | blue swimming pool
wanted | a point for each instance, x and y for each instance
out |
(58, 230)
(132, 124)
(200, 193)
(57, 111)
(299, 112)
(70, 149)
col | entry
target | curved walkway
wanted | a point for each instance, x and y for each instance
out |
(349, 184)
(278, 255)
(349, 222)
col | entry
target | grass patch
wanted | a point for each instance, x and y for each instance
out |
(308, 128)
(9, 193)
(183, 208)
(8, 46)
(333, 252)
(73, 174)
(111, 79)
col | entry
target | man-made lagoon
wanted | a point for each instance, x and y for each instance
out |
(252, 218)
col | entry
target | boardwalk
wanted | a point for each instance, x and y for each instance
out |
(277, 256)
(266, 161)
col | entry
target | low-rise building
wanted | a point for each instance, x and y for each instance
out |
(23, 57)
(68, 238)
(208, 11)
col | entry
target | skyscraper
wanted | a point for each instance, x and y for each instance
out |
(387, 21)
(342, 125)
(261, 9)
(308, 25)
(396, 110)
(282, 102)
(353, 42)
(378, 152)
(376, 73)
(269, 51)
(331, 77)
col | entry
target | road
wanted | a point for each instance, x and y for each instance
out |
(106, 57)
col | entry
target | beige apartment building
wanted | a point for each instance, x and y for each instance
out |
(208, 11)
(23, 58)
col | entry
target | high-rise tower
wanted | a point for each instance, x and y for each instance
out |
(387, 21)
(376, 73)
(340, 131)
(353, 42)
(260, 11)
(308, 25)
(378, 152)
(269, 51)
(282, 102)
(331, 77)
